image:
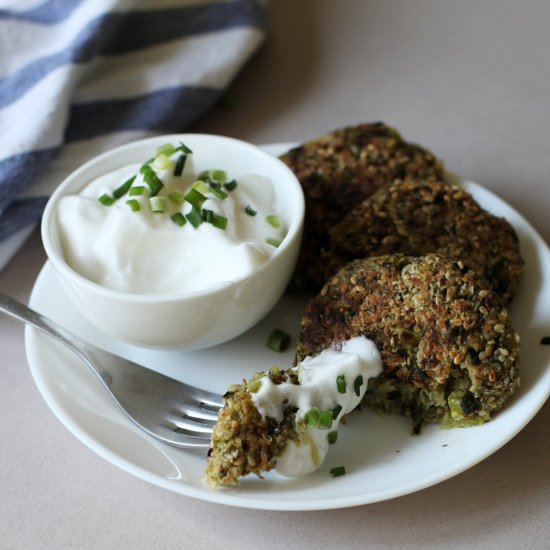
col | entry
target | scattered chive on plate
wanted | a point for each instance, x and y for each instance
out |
(278, 340)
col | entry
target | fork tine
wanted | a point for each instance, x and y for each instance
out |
(197, 413)
(202, 396)
(212, 406)
(192, 425)
(180, 437)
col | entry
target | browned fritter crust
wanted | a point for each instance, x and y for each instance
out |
(243, 441)
(338, 171)
(415, 217)
(448, 350)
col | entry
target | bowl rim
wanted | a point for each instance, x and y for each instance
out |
(55, 256)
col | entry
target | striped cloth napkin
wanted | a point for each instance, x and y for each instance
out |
(78, 77)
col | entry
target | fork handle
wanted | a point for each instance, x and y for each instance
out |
(20, 311)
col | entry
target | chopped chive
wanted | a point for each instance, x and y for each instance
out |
(213, 176)
(332, 437)
(217, 191)
(338, 471)
(325, 419)
(177, 197)
(336, 411)
(273, 221)
(545, 340)
(311, 417)
(167, 149)
(195, 198)
(123, 189)
(151, 179)
(341, 383)
(250, 211)
(220, 222)
(179, 219)
(216, 220)
(201, 186)
(274, 242)
(184, 149)
(134, 205)
(357, 385)
(106, 200)
(230, 185)
(254, 385)
(162, 162)
(158, 204)
(194, 217)
(219, 175)
(137, 190)
(180, 165)
(274, 371)
(204, 175)
(278, 340)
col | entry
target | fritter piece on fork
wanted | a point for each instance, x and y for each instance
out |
(243, 441)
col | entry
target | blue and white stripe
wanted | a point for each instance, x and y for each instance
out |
(78, 77)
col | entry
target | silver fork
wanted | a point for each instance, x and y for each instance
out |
(168, 410)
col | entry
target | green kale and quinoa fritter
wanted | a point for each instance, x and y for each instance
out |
(449, 353)
(338, 171)
(245, 442)
(416, 217)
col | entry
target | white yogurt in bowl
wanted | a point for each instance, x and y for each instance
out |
(160, 252)
(128, 245)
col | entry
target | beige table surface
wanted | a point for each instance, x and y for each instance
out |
(471, 81)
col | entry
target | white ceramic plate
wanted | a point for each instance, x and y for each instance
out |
(382, 459)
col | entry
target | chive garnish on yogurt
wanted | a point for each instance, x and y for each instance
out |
(273, 221)
(341, 384)
(170, 194)
(106, 199)
(134, 205)
(230, 185)
(209, 216)
(195, 198)
(136, 191)
(158, 204)
(179, 219)
(273, 242)
(194, 217)
(123, 189)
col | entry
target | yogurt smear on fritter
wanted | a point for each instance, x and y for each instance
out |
(331, 385)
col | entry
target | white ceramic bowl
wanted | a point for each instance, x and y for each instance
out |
(191, 320)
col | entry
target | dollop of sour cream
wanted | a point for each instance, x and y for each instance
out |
(336, 379)
(143, 251)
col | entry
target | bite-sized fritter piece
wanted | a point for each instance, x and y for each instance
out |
(449, 353)
(243, 441)
(338, 171)
(415, 217)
